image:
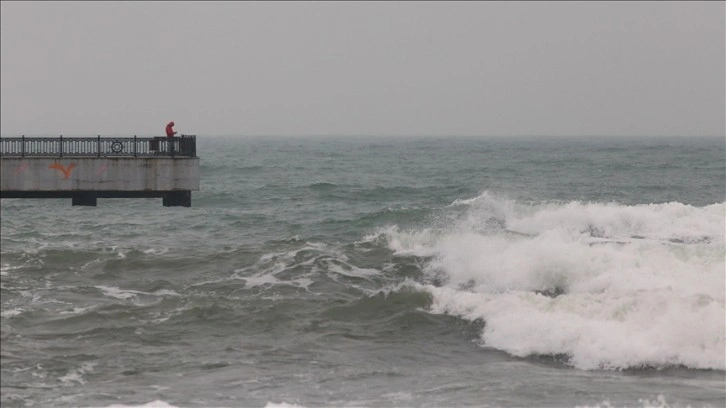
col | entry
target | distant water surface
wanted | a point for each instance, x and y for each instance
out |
(410, 271)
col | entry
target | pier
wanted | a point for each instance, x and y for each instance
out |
(85, 169)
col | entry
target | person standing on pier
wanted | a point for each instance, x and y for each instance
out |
(170, 137)
(169, 131)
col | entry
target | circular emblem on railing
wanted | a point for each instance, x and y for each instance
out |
(117, 147)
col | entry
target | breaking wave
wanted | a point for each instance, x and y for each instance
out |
(609, 286)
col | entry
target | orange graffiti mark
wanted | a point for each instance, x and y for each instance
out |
(65, 170)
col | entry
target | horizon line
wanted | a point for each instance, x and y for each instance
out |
(80, 134)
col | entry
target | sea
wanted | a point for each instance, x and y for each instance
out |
(358, 271)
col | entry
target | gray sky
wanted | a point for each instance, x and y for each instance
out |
(368, 68)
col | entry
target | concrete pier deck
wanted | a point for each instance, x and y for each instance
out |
(85, 169)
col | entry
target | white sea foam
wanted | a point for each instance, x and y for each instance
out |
(282, 405)
(152, 404)
(127, 294)
(75, 376)
(261, 280)
(311, 255)
(156, 251)
(166, 292)
(118, 293)
(11, 312)
(659, 401)
(352, 271)
(76, 310)
(5, 268)
(611, 286)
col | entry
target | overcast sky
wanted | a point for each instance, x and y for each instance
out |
(363, 68)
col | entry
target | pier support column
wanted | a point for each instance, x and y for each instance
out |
(178, 199)
(87, 199)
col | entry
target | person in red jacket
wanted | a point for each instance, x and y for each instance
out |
(169, 131)
(170, 137)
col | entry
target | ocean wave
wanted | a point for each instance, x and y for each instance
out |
(611, 286)
(392, 303)
(323, 186)
(659, 401)
(282, 405)
(151, 404)
(311, 266)
(76, 376)
(126, 294)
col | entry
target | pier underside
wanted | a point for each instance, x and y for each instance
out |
(178, 198)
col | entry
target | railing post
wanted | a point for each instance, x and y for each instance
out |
(134, 145)
(60, 144)
(22, 146)
(98, 146)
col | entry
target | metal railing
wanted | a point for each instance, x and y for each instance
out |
(183, 146)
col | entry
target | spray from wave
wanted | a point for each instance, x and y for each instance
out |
(608, 286)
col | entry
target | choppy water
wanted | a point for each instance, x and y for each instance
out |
(330, 271)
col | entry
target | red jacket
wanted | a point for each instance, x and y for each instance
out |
(169, 131)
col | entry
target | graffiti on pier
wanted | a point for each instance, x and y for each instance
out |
(65, 170)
